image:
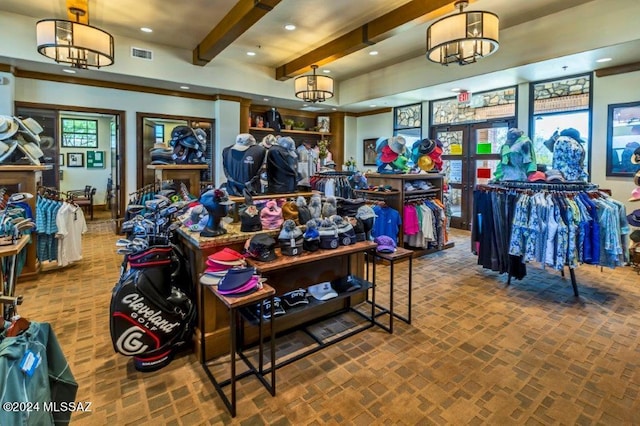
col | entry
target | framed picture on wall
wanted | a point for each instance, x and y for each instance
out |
(623, 139)
(369, 152)
(75, 159)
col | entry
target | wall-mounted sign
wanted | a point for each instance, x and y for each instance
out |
(464, 97)
(96, 160)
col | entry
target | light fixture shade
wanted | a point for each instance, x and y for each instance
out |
(463, 38)
(74, 43)
(313, 88)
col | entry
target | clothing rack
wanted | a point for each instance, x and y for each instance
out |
(334, 173)
(541, 186)
(419, 197)
(54, 193)
(530, 188)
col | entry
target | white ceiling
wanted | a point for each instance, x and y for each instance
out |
(182, 25)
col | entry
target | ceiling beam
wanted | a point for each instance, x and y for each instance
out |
(619, 69)
(240, 18)
(366, 35)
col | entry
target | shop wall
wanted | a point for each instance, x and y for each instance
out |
(73, 178)
(351, 141)
(7, 87)
(611, 90)
(40, 91)
(372, 126)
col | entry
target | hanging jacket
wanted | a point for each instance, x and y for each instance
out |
(273, 119)
(51, 381)
(282, 170)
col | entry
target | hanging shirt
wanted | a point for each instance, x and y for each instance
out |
(568, 158)
(387, 223)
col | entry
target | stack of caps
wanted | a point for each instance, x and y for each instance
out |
(290, 239)
(260, 247)
(239, 281)
(161, 154)
(219, 264)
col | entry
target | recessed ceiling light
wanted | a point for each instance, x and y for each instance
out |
(334, 109)
(373, 106)
(69, 70)
(265, 99)
(603, 60)
(326, 71)
(305, 105)
(455, 89)
(184, 87)
(251, 53)
(146, 30)
(373, 53)
(289, 27)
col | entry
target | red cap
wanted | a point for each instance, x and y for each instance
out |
(388, 156)
(537, 177)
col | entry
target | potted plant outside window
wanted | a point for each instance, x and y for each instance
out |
(298, 125)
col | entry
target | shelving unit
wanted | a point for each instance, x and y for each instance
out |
(399, 196)
(293, 132)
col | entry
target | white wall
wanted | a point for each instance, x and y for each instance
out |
(7, 89)
(39, 91)
(78, 177)
(352, 148)
(614, 89)
(372, 126)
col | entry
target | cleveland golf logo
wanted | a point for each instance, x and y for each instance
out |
(129, 342)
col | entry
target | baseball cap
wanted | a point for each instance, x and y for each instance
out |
(322, 291)
(537, 177)
(243, 142)
(261, 247)
(635, 195)
(346, 284)
(388, 156)
(235, 278)
(385, 243)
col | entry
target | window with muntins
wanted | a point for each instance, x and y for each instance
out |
(79, 133)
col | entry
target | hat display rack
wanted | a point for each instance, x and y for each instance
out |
(20, 140)
(530, 188)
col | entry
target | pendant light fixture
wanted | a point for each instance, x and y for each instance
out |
(75, 43)
(463, 38)
(313, 88)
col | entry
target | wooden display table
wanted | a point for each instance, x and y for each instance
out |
(8, 276)
(187, 173)
(25, 178)
(327, 265)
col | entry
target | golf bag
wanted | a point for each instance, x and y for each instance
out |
(152, 314)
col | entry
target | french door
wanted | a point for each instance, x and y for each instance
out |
(470, 154)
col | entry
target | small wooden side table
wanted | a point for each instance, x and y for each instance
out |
(392, 258)
(234, 304)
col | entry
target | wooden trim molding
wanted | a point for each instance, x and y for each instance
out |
(111, 85)
(619, 69)
(372, 112)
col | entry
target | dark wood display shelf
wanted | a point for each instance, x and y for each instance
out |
(283, 262)
(250, 312)
(293, 132)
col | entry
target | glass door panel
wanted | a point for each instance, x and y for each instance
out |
(484, 171)
(453, 141)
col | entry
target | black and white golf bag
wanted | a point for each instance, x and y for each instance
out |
(151, 316)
